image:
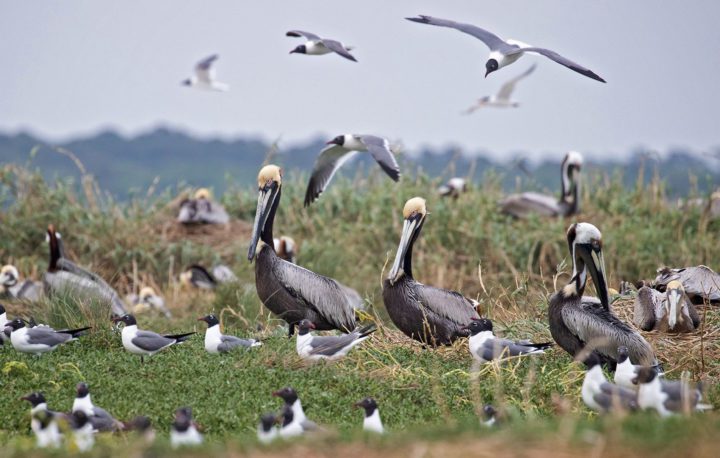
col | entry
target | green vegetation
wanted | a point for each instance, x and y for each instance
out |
(428, 398)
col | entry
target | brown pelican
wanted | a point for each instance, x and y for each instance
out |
(502, 98)
(202, 210)
(12, 287)
(430, 315)
(343, 148)
(453, 188)
(670, 311)
(575, 323)
(147, 300)
(700, 283)
(290, 291)
(64, 276)
(522, 205)
(286, 248)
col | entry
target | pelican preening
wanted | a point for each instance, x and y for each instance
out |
(700, 283)
(201, 209)
(12, 287)
(65, 277)
(670, 311)
(343, 148)
(585, 329)
(290, 291)
(527, 203)
(433, 316)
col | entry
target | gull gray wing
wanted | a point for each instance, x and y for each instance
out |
(380, 150)
(46, 336)
(228, 343)
(338, 48)
(299, 33)
(204, 68)
(319, 293)
(604, 332)
(699, 281)
(328, 162)
(101, 420)
(496, 348)
(506, 90)
(150, 341)
(649, 308)
(560, 60)
(522, 205)
(612, 401)
(491, 40)
(450, 305)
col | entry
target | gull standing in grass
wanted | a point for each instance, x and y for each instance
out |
(490, 415)
(292, 402)
(667, 397)
(267, 430)
(340, 150)
(11, 286)
(204, 77)
(83, 431)
(485, 347)
(371, 422)
(315, 348)
(145, 343)
(184, 431)
(98, 417)
(504, 52)
(43, 421)
(217, 342)
(40, 339)
(625, 371)
(291, 425)
(316, 46)
(603, 396)
(502, 98)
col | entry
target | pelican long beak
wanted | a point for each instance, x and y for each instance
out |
(673, 296)
(410, 227)
(266, 198)
(595, 263)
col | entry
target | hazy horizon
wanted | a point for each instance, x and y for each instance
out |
(79, 67)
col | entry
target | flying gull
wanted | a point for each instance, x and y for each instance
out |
(204, 77)
(502, 98)
(316, 46)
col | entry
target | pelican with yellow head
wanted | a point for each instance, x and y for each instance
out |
(431, 315)
(290, 291)
(669, 311)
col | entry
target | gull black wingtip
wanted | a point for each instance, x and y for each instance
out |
(421, 18)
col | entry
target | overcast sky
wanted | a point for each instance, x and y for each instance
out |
(73, 67)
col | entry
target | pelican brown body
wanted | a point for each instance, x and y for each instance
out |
(576, 324)
(433, 316)
(291, 292)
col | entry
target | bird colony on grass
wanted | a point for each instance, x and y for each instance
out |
(584, 326)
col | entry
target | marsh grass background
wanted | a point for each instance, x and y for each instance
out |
(430, 399)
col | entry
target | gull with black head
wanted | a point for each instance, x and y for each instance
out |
(339, 151)
(667, 397)
(371, 422)
(184, 431)
(297, 414)
(433, 316)
(485, 347)
(40, 339)
(98, 417)
(602, 396)
(316, 46)
(145, 343)
(315, 348)
(44, 422)
(204, 77)
(217, 342)
(504, 52)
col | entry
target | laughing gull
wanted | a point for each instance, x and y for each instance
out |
(184, 431)
(98, 417)
(502, 98)
(43, 421)
(626, 371)
(603, 396)
(490, 415)
(83, 431)
(4, 337)
(315, 348)
(316, 46)
(39, 339)
(266, 430)
(11, 286)
(146, 343)
(504, 52)
(291, 425)
(485, 347)
(667, 397)
(216, 342)
(204, 77)
(372, 422)
(143, 427)
(292, 401)
(147, 300)
(453, 188)
(340, 150)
